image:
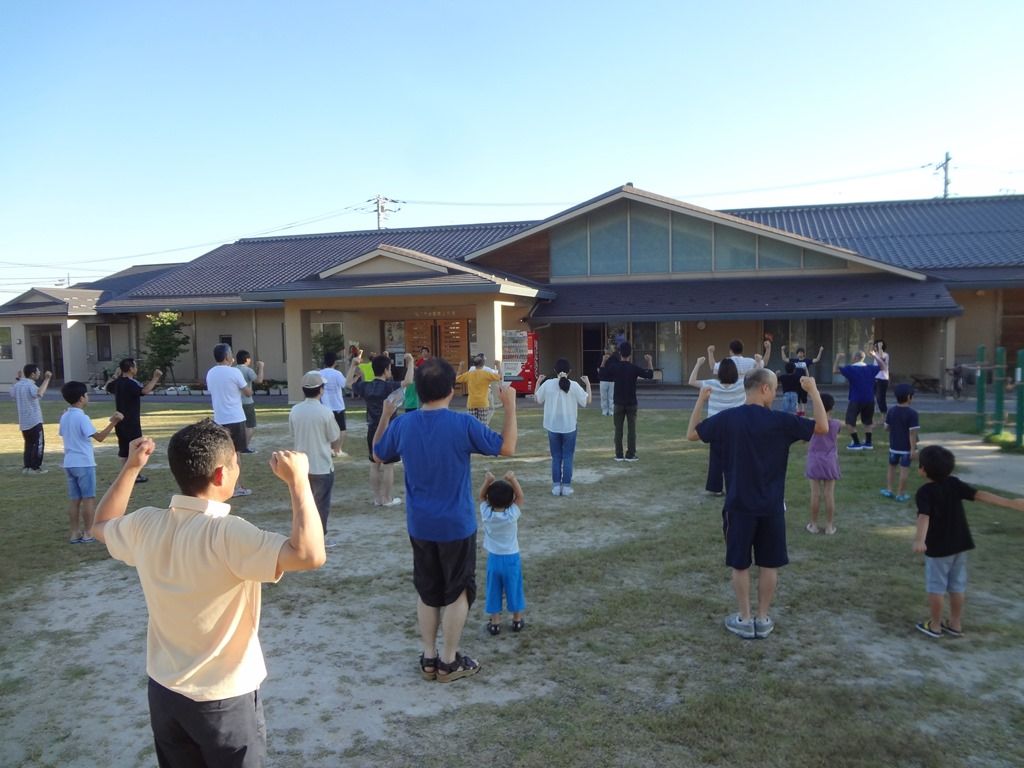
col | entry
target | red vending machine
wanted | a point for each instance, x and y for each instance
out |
(519, 360)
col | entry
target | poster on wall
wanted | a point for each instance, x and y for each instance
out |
(394, 338)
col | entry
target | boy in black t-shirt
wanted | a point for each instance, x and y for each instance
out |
(903, 425)
(944, 537)
(374, 392)
(789, 382)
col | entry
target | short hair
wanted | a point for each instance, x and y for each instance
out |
(126, 364)
(790, 367)
(73, 391)
(756, 377)
(195, 451)
(937, 462)
(477, 359)
(736, 347)
(904, 392)
(434, 380)
(625, 349)
(221, 352)
(858, 356)
(425, 349)
(500, 494)
(30, 369)
(801, 349)
(312, 391)
(828, 402)
(728, 373)
(241, 356)
(330, 358)
(380, 364)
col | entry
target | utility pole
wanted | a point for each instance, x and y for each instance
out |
(944, 165)
(381, 204)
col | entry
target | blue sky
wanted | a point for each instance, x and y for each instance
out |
(131, 128)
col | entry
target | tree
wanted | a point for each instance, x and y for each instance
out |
(326, 341)
(165, 341)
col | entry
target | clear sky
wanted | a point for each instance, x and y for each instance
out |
(130, 128)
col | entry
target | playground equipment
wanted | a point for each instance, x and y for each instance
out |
(1000, 383)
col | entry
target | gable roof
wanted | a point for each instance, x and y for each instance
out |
(66, 302)
(925, 235)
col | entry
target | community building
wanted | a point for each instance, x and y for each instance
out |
(934, 278)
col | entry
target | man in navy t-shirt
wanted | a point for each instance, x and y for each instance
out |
(754, 441)
(861, 378)
(435, 445)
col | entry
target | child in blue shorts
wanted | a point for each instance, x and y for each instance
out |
(944, 537)
(903, 426)
(500, 502)
(78, 433)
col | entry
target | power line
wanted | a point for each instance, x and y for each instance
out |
(799, 184)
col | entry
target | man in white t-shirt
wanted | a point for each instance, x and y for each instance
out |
(201, 570)
(315, 432)
(227, 386)
(743, 364)
(334, 394)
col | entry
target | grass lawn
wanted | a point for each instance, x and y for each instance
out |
(624, 661)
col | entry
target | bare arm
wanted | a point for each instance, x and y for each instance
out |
(488, 479)
(100, 436)
(518, 499)
(259, 372)
(153, 381)
(694, 381)
(45, 385)
(696, 416)
(767, 353)
(304, 550)
(821, 351)
(785, 353)
(510, 427)
(922, 532)
(410, 369)
(810, 386)
(354, 371)
(711, 357)
(999, 501)
(115, 501)
(915, 435)
(586, 386)
(838, 359)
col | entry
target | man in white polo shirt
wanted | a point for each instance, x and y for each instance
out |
(227, 385)
(201, 570)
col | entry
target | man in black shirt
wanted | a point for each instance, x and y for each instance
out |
(625, 374)
(128, 392)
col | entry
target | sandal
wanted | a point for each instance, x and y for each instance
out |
(812, 528)
(428, 667)
(461, 666)
(517, 625)
(494, 629)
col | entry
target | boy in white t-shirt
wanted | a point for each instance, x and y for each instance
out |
(78, 433)
(500, 502)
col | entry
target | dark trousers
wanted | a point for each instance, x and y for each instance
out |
(881, 387)
(35, 444)
(191, 734)
(321, 485)
(627, 413)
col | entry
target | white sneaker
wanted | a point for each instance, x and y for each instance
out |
(738, 626)
(567, 490)
(393, 503)
(556, 490)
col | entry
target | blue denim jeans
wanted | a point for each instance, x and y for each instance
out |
(563, 448)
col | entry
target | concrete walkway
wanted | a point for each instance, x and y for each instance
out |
(980, 463)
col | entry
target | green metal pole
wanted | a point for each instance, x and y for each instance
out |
(979, 382)
(999, 384)
(1019, 386)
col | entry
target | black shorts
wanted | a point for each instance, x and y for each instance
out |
(339, 416)
(126, 432)
(765, 536)
(443, 570)
(237, 432)
(866, 411)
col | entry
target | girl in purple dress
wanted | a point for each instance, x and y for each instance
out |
(823, 470)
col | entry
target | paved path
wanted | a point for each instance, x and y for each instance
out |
(980, 463)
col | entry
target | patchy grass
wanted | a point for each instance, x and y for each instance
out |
(624, 660)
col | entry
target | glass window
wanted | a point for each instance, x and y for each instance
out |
(608, 229)
(225, 338)
(815, 260)
(6, 343)
(648, 239)
(691, 244)
(772, 254)
(569, 249)
(734, 250)
(645, 342)
(103, 342)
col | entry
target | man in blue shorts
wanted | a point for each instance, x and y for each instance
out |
(435, 445)
(754, 441)
(861, 400)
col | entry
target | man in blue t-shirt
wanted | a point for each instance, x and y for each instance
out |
(435, 445)
(754, 442)
(861, 400)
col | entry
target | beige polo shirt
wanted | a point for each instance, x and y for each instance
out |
(201, 571)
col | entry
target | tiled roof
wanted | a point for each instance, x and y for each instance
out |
(749, 298)
(257, 263)
(375, 285)
(926, 235)
(76, 300)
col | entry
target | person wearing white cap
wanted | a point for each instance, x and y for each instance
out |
(315, 432)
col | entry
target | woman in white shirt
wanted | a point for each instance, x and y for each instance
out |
(727, 391)
(561, 397)
(882, 377)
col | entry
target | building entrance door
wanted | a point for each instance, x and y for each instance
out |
(592, 338)
(46, 349)
(445, 338)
